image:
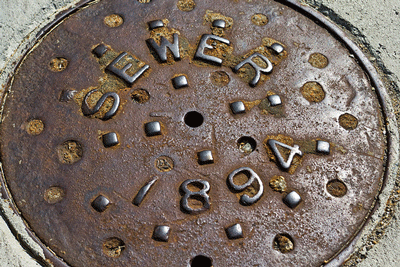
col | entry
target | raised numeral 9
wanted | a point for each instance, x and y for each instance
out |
(252, 178)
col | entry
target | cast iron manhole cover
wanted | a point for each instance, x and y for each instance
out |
(174, 133)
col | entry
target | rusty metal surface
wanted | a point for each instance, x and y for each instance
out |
(100, 202)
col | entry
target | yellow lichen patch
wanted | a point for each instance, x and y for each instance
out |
(220, 50)
(340, 148)
(318, 60)
(250, 104)
(309, 169)
(220, 78)
(92, 101)
(113, 21)
(140, 96)
(278, 183)
(266, 108)
(336, 188)
(270, 93)
(186, 5)
(109, 82)
(100, 134)
(358, 207)
(313, 92)
(166, 32)
(218, 31)
(69, 152)
(247, 72)
(251, 191)
(210, 16)
(185, 49)
(283, 243)
(259, 19)
(35, 127)
(130, 59)
(348, 121)
(268, 42)
(54, 195)
(113, 247)
(245, 147)
(308, 146)
(58, 64)
(283, 151)
(110, 56)
(164, 164)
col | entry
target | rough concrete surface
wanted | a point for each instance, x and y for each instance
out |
(11, 252)
(376, 22)
(385, 253)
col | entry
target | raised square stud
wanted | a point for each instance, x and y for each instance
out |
(110, 139)
(237, 107)
(100, 50)
(274, 100)
(67, 95)
(205, 157)
(323, 147)
(101, 203)
(152, 128)
(219, 23)
(161, 233)
(292, 200)
(278, 48)
(155, 24)
(234, 232)
(180, 82)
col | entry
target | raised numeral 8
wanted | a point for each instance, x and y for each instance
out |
(200, 195)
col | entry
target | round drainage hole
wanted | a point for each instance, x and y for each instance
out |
(283, 243)
(201, 261)
(69, 152)
(140, 96)
(336, 188)
(247, 144)
(193, 119)
(113, 247)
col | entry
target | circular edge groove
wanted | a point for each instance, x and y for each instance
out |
(390, 121)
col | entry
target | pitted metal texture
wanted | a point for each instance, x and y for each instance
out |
(176, 133)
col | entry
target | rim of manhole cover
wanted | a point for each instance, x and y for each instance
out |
(195, 134)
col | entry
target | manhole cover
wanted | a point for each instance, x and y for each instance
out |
(175, 133)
